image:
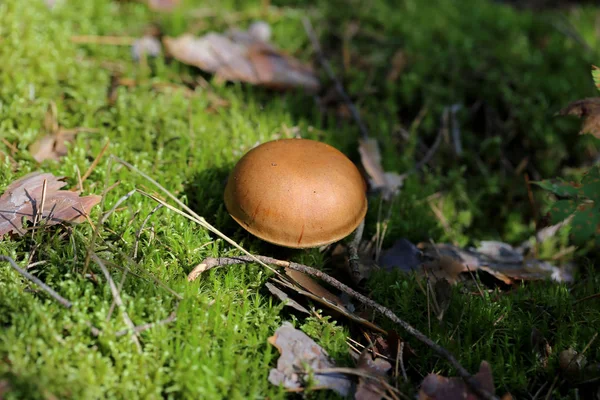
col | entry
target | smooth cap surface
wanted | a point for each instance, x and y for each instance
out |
(296, 193)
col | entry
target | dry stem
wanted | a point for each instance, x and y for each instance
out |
(66, 303)
(118, 300)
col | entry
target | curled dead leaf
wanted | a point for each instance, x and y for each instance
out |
(587, 109)
(371, 388)
(51, 147)
(281, 295)
(343, 309)
(22, 201)
(313, 286)
(242, 56)
(389, 183)
(299, 356)
(496, 258)
(146, 46)
(541, 347)
(571, 362)
(437, 387)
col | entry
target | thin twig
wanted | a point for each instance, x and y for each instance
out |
(191, 215)
(40, 214)
(475, 280)
(363, 374)
(430, 153)
(79, 181)
(117, 204)
(338, 85)
(118, 300)
(467, 377)
(35, 264)
(138, 234)
(13, 149)
(536, 395)
(141, 328)
(109, 40)
(593, 296)
(143, 273)
(96, 227)
(66, 303)
(549, 394)
(95, 162)
(137, 237)
(401, 359)
(353, 257)
(362, 346)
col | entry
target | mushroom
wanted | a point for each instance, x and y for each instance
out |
(296, 193)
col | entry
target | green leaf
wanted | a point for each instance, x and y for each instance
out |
(591, 184)
(561, 210)
(592, 176)
(596, 76)
(585, 224)
(592, 191)
(560, 187)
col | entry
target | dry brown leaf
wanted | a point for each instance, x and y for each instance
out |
(389, 183)
(445, 261)
(281, 295)
(368, 388)
(541, 347)
(299, 355)
(22, 200)
(4, 388)
(313, 286)
(571, 362)
(496, 258)
(146, 46)
(163, 5)
(436, 387)
(52, 146)
(341, 309)
(589, 110)
(242, 56)
(444, 267)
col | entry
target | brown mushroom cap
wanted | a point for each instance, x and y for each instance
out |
(296, 193)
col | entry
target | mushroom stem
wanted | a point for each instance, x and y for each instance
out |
(211, 262)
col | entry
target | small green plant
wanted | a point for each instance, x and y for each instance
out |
(580, 199)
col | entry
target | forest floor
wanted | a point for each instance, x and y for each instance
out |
(505, 71)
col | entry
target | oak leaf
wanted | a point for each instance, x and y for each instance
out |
(242, 56)
(22, 201)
